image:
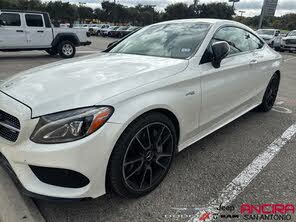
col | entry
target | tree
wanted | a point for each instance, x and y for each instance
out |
(85, 13)
(62, 12)
(177, 11)
(215, 10)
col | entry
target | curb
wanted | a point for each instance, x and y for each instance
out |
(13, 205)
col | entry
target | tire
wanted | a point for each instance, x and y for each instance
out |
(98, 33)
(66, 49)
(51, 52)
(133, 161)
(270, 94)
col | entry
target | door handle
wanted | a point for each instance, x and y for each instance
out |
(19, 30)
(253, 62)
(40, 31)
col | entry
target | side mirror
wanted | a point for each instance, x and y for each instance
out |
(220, 51)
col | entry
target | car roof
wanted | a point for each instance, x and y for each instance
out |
(213, 22)
(22, 11)
(202, 20)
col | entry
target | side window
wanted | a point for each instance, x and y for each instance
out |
(237, 39)
(34, 20)
(255, 43)
(10, 19)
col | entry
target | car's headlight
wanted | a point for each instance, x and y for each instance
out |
(70, 125)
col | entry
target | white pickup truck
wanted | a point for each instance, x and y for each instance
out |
(31, 30)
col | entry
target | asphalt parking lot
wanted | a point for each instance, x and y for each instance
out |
(200, 173)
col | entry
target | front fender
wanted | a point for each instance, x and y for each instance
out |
(172, 98)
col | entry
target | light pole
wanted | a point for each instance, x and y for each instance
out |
(242, 12)
(233, 2)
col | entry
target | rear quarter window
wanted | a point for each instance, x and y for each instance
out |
(34, 20)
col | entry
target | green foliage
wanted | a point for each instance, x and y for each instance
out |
(285, 22)
(144, 14)
(117, 13)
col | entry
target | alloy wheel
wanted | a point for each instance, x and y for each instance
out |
(148, 157)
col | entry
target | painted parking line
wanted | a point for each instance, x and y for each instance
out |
(236, 186)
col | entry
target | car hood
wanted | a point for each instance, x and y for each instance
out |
(289, 37)
(86, 81)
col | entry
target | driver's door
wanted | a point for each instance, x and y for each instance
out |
(225, 89)
(12, 31)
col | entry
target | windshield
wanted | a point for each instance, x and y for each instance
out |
(177, 40)
(293, 33)
(265, 32)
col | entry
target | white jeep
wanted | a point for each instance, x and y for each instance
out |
(31, 30)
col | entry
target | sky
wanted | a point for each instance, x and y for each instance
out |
(251, 7)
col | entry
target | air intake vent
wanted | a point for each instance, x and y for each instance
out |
(9, 126)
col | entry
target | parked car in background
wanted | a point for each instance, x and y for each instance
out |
(115, 121)
(85, 26)
(105, 29)
(106, 32)
(289, 42)
(128, 31)
(271, 36)
(118, 33)
(77, 26)
(32, 30)
(66, 25)
(97, 29)
(92, 28)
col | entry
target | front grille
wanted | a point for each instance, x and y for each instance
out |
(9, 126)
(291, 41)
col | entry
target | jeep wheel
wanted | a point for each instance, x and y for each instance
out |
(67, 49)
(51, 52)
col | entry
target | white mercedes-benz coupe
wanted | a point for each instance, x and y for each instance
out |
(73, 129)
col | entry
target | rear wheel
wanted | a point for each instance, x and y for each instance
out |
(66, 49)
(270, 94)
(142, 156)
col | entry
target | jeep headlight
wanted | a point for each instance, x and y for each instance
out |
(70, 125)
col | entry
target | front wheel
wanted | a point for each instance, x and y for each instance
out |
(142, 156)
(66, 49)
(270, 94)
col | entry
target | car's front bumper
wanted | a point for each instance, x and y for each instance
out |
(288, 47)
(88, 157)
